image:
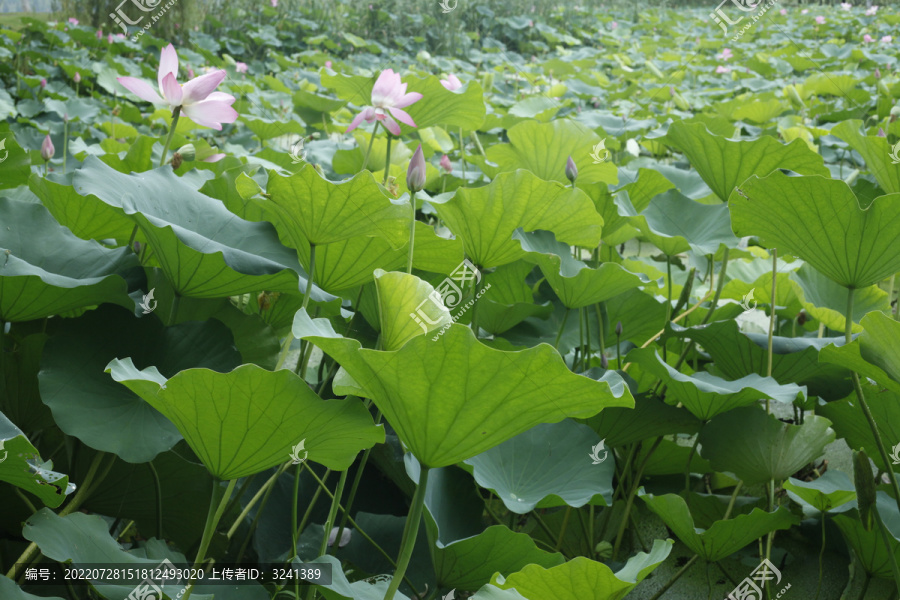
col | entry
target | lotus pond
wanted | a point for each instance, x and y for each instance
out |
(337, 300)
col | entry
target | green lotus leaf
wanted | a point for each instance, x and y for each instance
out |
(10, 591)
(104, 415)
(341, 587)
(585, 579)
(306, 208)
(649, 418)
(88, 218)
(851, 424)
(794, 360)
(21, 465)
(875, 150)
(674, 223)
(250, 419)
(45, 270)
(574, 282)
(438, 106)
(443, 418)
(757, 447)
(706, 395)
(722, 538)
(833, 489)
(407, 308)
(204, 250)
(488, 592)
(16, 166)
(868, 546)
(820, 221)
(874, 353)
(724, 164)
(485, 218)
(548, 465)
(544, 149)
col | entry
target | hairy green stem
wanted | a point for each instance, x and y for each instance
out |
(288, 340)
(369, 149)
(675, 578)
(410, 531)
(561, 327)
(213, 515)
(634, 487)
(159, 509)
(387, 160)
(262, 490)
(772, 316)
(175, 114)
(412, 231)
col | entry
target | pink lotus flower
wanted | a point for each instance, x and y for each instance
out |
(820, 20)
(726, 54)
(197, 98)
(783, 12)
(47, 149)
(120, 36)
(99, 34)
(870, 12)
(214, 158)
(445, 163)
(846, 5)
(240, 67)
(868, 39)
(274, 3)
(804, 11)
(722, 69)
(887, 39)
(109, 39)
(328, 64)
(452, 82)
(388, 96)
(73, 21)
(614, 25)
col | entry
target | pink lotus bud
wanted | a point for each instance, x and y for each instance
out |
(327, 64)
(671, 92)
(881, 132)
(77, 78)
(571, 170)
(100, 34)
(47, 149)
(109, 39)
(619, 328)
(43, 83)
(445, 162)
(877, 73)
(415, 175)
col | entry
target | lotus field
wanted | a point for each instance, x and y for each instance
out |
(450, 300)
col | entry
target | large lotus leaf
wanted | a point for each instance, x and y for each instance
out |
(509, 300)
(722, 538)
(438, 106)
(875, 353)
(585, 579)
(248, 420)
(851, 424)
(875, 150)
(706, 395)
(350, 263)
(544, 149)
(649, 418)
(21, 465)
(833, 489)
(826, 301)
(10, 591)
(869, 545)
(820, 221)
(794, 360)
(106, 416)
(757, 447)
(574, 282)
(454, 398)
(88, 218)
(341, 587)
(548, 465)
(46, 270)
(16, 165)
(724, 164)
(488, 592)
(486, 217)
(307, 209)
(674, 223)
(407, 307)
(205, 250)
(84, 539)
